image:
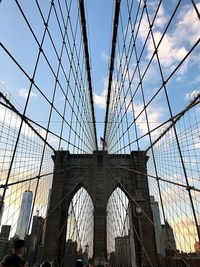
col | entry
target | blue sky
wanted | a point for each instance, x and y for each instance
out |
(16, 37)
(179, 38)
(18, 40)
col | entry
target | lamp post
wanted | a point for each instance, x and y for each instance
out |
(139, 212)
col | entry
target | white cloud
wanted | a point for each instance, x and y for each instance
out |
(12, 120)
(24, 93)
(7, 117)
(161, 17)
(196, 146)
(175, 44)
(185, 231)
(187, 28)
(100, 100)
(191, 95)
(155, 114)
(169, 51)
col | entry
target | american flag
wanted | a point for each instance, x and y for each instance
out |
(103, 142)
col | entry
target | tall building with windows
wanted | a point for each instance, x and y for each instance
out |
(35, 239)
(5, 232)
(2, 207)
(170, 243)
(24, 214)
(157, 226)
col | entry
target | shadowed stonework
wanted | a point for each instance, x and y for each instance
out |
(100, 174)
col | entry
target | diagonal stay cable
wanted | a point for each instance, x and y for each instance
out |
(146, 215)
(112, 61)
(25, 119)
(87, 62)
(161, 179)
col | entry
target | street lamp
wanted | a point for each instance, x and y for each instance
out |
(139, 212)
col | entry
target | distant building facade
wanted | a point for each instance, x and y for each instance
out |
(5, 232)
(37, 227)
(35, 238)
(158, 226)
(24, 214)
(169, 240)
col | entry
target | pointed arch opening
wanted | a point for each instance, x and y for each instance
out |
(80, 222)
(120, 241)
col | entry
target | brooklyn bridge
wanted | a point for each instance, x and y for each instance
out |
(100, 132)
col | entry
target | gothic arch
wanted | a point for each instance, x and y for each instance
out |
(91, 172)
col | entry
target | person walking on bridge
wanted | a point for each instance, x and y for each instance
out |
(15, 258)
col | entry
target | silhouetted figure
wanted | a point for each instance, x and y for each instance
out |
(79, 263)
(15, 260)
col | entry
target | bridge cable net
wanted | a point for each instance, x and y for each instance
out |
(80, 226)
(153, 107)
(55, 79)
(119, 230)
(154, 60)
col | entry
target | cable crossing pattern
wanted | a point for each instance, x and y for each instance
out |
(47, 105)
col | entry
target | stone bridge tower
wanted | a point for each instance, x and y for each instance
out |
(93, 170)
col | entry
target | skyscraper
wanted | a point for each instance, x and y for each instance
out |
(35, 238)
(37, 227)
(158, 227)
(2, 207)
(5, 232)
(24, 214)
(170, 243)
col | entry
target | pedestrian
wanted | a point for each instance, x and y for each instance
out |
(15, 258)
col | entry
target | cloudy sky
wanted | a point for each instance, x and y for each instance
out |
(174, 45)
(178, 40)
